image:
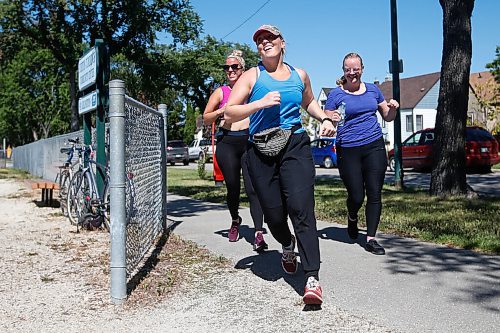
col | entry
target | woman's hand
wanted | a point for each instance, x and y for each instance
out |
(272, 98)
(393, 104)
(221, 111)
(335, 116)
(327, 128)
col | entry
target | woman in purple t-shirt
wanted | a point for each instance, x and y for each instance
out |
(361, 155)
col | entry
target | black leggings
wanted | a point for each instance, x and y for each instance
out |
(231, 156)
(363, 169)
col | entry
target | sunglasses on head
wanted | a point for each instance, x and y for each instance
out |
(234, 67)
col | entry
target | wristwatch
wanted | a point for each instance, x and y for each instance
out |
(326, 118)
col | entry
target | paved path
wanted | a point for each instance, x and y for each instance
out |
(416, 287)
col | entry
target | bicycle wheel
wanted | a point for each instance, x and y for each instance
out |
(78, 194)
(105, 202)
(129, 201)
(64, 179)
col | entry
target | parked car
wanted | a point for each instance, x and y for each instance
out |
(481, 150)
(324, 152)
(199, 148)
(177, 151)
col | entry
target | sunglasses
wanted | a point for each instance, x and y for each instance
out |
(234, 67)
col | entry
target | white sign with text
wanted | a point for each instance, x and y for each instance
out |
(88, 102)
(87, 69)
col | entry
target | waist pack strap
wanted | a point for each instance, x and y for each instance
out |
(266, 137)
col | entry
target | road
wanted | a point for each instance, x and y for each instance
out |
(484, 184)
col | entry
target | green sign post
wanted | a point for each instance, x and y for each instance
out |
(93, 78)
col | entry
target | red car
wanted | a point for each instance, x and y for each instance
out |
(481, 150)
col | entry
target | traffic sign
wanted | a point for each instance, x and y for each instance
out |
(88, 102)
(87, 69)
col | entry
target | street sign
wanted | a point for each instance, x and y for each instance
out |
(87, 69)
(88, 102)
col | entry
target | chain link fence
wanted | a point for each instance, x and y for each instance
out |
(144, 147)
(136, 138)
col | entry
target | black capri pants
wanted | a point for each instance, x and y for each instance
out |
(362, 169)
(231, 156)
(285, 187)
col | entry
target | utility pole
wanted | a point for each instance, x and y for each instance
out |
(396, 67)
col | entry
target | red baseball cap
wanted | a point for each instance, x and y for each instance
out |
(266, 27)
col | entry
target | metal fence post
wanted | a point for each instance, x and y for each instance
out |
(118, 262)
(163, 109)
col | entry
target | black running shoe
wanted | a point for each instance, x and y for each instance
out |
(374, 247)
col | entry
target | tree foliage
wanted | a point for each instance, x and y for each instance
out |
(33, 95)
(66, 28)
(189, 124)
(494, 66)
(494, 102)
(448, 176)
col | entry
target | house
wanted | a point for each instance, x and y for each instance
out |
(419, 100)
(417, 105)
(484, 101)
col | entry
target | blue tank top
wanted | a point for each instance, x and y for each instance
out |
(287, 114)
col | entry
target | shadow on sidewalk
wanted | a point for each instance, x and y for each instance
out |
(412, 257)
(340, 235)
(407, 256)
(190, 207)
(267, 266)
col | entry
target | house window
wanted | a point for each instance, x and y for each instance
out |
(409, 123)
(419, 122)
(470, 119)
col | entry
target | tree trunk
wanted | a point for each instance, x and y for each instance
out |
(448, 176)
(73, 91)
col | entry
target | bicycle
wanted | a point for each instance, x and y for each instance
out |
(86, 206)
(66, 173)
(84, 201)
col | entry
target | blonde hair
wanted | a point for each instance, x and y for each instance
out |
(341, 80)
(238, 55)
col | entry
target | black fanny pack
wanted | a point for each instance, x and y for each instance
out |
(271, 141)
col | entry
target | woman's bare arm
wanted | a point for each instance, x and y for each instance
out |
(236, 109)
(212, 112)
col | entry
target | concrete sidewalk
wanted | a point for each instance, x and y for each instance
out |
(415, 287)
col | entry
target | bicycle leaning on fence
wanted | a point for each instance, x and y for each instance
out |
(66, 172)
(87, 206)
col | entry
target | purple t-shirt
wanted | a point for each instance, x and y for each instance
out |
(360, 123)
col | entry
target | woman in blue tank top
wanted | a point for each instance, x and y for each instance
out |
(361, 156)
(272, 95)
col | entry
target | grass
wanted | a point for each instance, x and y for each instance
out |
(10, 173)
(459, 222)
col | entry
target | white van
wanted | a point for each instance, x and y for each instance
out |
(198, 148)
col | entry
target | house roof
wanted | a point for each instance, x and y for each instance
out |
(326, 91)
(412, 89)
(483, 85)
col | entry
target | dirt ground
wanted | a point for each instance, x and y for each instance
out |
(56, 280)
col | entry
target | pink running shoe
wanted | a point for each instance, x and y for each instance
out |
(259, 244)
(289, 259)
(234, 233)
(313, 294)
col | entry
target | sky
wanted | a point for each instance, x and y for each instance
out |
(319, 33)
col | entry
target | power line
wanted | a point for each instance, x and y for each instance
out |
(268, 1)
